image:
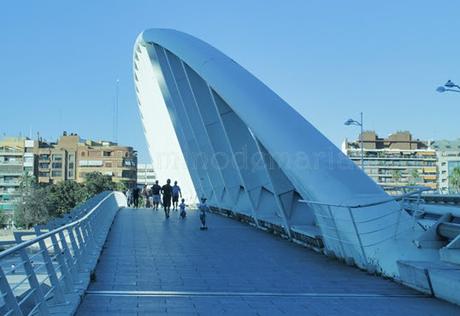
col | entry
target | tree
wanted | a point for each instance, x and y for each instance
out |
(38, 204)
(414, 177)
(96, 182)
(454, 180)
(396, 175)
(4, 219)
(32, 208)
(64, 196)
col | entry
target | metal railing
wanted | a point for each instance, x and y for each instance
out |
(42, 273)
(330, 228)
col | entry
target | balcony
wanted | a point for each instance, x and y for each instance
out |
(11, 163)
(9, 183)
(11, 152)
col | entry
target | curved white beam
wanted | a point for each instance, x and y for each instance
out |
(217, 107)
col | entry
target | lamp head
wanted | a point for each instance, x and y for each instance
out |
(450, 84)
(349, 122)
(441, 89)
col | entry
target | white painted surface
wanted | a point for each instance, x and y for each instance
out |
(166, 155)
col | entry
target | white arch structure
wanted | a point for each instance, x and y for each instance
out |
(251, 153)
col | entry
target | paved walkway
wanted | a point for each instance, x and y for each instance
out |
(155, 266)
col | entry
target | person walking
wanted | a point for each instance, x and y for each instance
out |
(136, 192)
(203, 208)
(176, 192)
(166, 190)
(145, 195)
(156, 188)
(129, 197)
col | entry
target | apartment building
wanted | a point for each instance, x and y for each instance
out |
(16, 160)
(56, 161)
(398, 160)
(145, 174)
(119, 162)
(71, 158)
(448, 153)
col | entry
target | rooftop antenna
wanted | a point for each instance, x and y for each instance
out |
(115, 113)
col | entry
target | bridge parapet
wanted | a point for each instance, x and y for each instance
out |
(48, 273)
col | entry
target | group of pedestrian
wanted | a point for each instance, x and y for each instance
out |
(132, 196)
(165, 195)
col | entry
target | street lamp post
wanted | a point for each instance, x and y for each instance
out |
(350, 122)
(449, 86)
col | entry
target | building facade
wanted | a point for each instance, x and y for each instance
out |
(145, 174)
(71, 158)
(398, 160)
(448, 153)
(11, 171)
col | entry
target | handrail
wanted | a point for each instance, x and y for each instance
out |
(389, 199)
(43, 236)
(64, 254)
(356, 231)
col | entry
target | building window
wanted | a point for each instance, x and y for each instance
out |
(43, 174)
(108, 165)
(71, 165)
(44, 157)
(57, 157)
(128, 174)
(129, 163)
(56, 173)
(106, 153)
(83, 154)
(57, 165)
(43, 165)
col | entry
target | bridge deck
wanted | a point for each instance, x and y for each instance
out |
(152, 265)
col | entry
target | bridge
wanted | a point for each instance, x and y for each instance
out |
(297, 227)
(107, 259)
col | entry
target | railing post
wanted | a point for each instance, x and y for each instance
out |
(68, 257)
(8, 295)
(336, 231)
(81, 241)
(58, 294)
(32, 278)
(358, 236)
(93, 246)
(397, 222)
(76, 250)
(60, 253)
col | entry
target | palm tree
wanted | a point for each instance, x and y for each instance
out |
(414, 177)
(396, 175)
(454, 180)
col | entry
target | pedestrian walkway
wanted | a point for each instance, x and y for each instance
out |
(155, 266)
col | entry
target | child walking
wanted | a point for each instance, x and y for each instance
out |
(182, 206)
(203, 208)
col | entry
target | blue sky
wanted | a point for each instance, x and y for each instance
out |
(59, 61)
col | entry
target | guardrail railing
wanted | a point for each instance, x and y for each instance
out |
(46, 273)
(330, 228)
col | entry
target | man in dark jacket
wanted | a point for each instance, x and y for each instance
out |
(166, 190)
(136, 192)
